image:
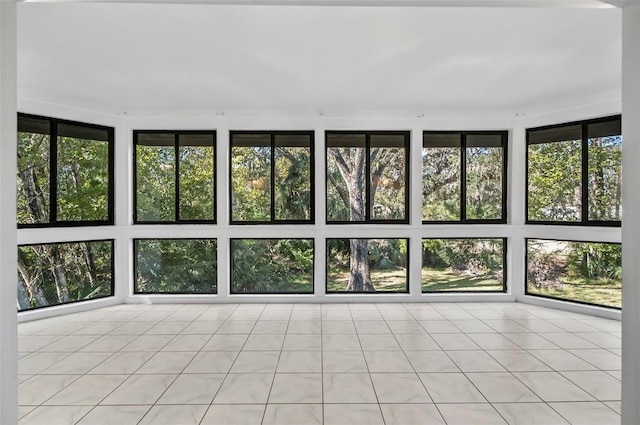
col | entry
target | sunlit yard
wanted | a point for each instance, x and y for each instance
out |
(606, 292)
(382, 280)
(448, 280)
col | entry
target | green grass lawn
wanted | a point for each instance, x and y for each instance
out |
(606, 292)
(447, 280)
(383, 280)
(297, 283)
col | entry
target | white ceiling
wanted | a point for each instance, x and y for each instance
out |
(147, 56)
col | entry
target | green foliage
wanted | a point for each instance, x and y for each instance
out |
(605, 178)
(272, 266)
(462, 264)
(156, 183)
(441, 184)
(33, 178)
(251, 183)
(196, 182)
(177, 266)
(83, 179)
(292, 183)
(484, 183)
(387, 259)
(346, 189)
(51, 274)
(388, 184)
(555, 192)
(578, 271)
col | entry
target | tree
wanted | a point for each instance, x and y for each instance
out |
(386, 181)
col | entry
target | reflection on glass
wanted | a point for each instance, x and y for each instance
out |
(175, 266)
(272, 266)
(367, 265)
(450, 265)
(586, 272)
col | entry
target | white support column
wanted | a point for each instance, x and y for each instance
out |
(415, 213)
(8, 232)
(320, 185)
(516, 214)
(631, 214)
(223, 201)
(123, 249)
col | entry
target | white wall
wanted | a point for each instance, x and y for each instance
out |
(8, 260)
(631, 218)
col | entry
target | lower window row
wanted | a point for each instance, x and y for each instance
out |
(59, 273)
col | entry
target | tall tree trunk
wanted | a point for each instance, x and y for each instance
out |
(360, 276)
(57, 269)
(29, 285)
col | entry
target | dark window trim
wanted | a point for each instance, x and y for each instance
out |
(313, 267)
(272, 136)
(135, 268)
(526, 273)
(407, 185)
(176, 176)
(504, 269)
(408, 268)
(504, 134)
(112, 294)
(584, 147)
(53, 175)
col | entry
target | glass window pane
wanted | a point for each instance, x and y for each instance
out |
(554, 180)
(155, 177)
(196, 155)
(33, 171)
(605, 172)
(484, 183)
(176, 266)
(587, 272)
(83, 179)
(441, 183)
(367, 265)
(387, 182)
(272, 266)
(346, 184)
(292, 183)
(450, 265)
(60, 273)
(251, 183)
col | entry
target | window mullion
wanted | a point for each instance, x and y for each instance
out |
(463, 177)
(584, 213)
(53, 173)
(176, 177)
(272, 188)
(367, 176)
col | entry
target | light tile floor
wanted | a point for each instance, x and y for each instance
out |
(333, 364)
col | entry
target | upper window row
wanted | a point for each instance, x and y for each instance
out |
(574, 173)
(65, 173)
(272, 177)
